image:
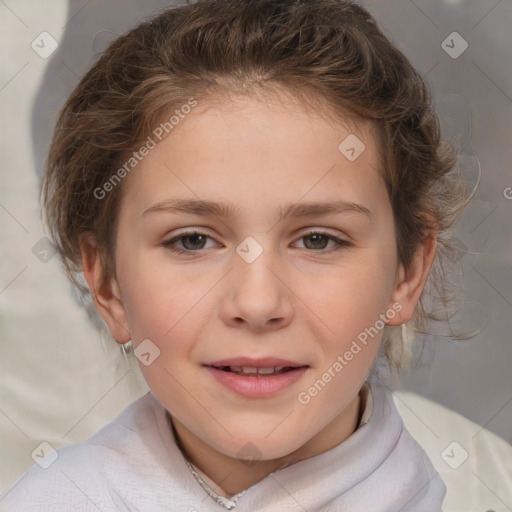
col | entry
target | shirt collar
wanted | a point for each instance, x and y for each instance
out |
(366, 408)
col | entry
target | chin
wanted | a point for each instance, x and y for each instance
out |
(256, 446)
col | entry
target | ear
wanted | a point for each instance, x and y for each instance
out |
(409, 283)
(104, 289)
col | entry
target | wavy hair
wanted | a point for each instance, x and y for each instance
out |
(330, 53)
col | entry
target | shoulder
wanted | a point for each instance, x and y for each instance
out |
(466, 455)
(86, 474)
(70, 475)
(408, 467)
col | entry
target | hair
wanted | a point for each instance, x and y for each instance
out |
(327, 53)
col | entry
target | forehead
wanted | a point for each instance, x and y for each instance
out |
(248, 149)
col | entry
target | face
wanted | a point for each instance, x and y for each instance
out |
(295, 266)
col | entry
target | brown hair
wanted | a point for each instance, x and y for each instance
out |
(328, 51)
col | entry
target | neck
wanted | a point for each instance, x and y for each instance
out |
(233, 475)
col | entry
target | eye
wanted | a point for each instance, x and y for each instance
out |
(319, 241)
(192, 241)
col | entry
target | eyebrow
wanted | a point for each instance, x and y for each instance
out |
(229, 210)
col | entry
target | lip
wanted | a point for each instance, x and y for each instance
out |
(260, 386)
(260, 362)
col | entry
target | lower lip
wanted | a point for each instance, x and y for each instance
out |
(257, 386)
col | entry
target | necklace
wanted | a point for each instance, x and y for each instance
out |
(227, 503)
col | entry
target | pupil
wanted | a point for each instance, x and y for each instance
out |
(316, 239)
(194, 239)
(197, 239)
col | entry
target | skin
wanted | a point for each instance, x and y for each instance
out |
(304, 298)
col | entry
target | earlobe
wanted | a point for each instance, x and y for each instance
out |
(104, 289)
(410, 282)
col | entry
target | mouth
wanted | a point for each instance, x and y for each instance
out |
(256, 377)
(249, 367)
(254, 371)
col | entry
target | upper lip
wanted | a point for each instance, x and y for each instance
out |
(261, 362)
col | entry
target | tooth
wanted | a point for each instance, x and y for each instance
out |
(248, 369)
(235, 368)
(279, 368)
(266, 370)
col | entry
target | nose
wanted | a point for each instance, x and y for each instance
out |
(257, 295)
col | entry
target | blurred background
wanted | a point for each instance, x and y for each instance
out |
(61, 382)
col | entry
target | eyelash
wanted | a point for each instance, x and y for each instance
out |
(169, 243)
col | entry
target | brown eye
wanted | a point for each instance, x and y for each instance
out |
(317, 241)
(190, 242)
(193, 242)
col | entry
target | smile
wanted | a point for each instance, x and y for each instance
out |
(256, 372)
(256, 377)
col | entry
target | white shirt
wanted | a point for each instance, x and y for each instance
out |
(134, 464)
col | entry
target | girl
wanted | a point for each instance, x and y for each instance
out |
(256, 194)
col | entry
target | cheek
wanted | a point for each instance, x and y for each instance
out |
(351, 296)
(160, 298)
(350, 306)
